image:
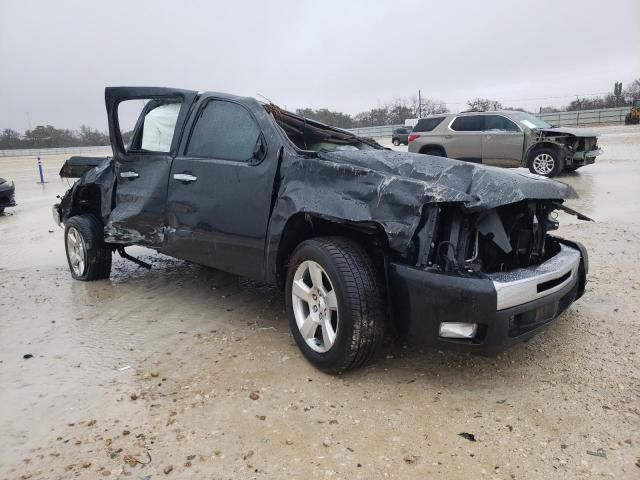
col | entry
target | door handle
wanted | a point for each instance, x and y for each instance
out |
(129, 174)
(184, 177)
(448, 137)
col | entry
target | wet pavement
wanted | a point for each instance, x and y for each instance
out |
(193, 369)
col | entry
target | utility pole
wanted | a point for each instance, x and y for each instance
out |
(28, 120)
(419, 104)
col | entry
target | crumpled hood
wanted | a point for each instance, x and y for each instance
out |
(447, 180)
(577, 132)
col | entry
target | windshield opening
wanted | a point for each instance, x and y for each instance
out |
(310, 135)
(530, 121)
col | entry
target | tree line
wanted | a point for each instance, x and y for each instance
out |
(390, 113)
(394, 112)
(47, 136)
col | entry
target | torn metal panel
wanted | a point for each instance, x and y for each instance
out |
(77, 166)
(100, 179)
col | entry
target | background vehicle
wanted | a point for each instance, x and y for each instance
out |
(349, 229)
(7, 195)
(633, 117)
(505, 139)
(400, 135)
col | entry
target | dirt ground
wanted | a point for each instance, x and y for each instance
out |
(187, 372)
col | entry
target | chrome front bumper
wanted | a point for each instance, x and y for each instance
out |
(523, 285)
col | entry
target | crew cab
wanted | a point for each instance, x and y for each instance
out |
(363, 240)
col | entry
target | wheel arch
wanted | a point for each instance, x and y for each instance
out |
(432, 146)
(303, 226)
(540, 146)
(85, 199)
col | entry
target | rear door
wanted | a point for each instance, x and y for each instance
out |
(502, 142)
(143, 158)
(463, 138)
(220, 188)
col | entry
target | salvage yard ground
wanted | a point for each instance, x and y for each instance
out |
(187, 372)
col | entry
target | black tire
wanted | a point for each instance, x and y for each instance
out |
(552, 169)
(97, 255)
(395, 142)
(1, 210)
(360, 299)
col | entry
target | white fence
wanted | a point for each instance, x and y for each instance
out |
(38, 152)
(581, 118)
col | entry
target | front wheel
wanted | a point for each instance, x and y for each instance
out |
(89, 258)
(335, 303)
(396, 142)
(545, 162)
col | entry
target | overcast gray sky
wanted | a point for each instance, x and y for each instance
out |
(57, 56)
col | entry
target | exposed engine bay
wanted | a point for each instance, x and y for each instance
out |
(502, 239)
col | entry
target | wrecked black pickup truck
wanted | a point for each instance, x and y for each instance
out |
(363, 240)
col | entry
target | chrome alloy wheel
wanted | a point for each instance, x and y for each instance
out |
(543, 164)
(315, 306)
(76, 250)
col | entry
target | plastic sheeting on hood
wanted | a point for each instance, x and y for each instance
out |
(390, 188)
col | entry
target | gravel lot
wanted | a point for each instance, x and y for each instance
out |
(187, 372)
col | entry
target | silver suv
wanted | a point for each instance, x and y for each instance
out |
(505, 139)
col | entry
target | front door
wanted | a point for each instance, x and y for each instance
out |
(502, 142)
(220, 188)
(143, 157)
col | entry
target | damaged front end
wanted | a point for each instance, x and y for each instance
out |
(578, 147)
(501, 239)
(483, 281)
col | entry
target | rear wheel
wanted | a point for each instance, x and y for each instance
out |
(88, 256)
(545, 162)
(335, 302)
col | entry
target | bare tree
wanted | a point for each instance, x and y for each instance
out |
(483, 105)
(632, 92)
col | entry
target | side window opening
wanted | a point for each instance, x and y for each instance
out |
(226, 131)
(307, 134)
(159, 126)
(500, 123)
(468, 123)
(427, 124)
(154, 129)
